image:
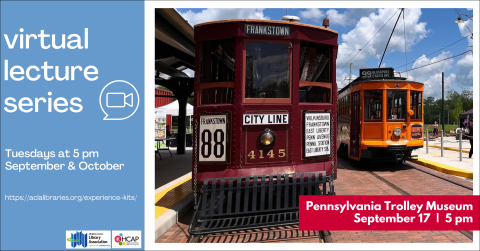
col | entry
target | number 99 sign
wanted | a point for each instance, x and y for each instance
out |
(213, 138)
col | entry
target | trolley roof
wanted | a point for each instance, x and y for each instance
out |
(265, 21)
(361, 80)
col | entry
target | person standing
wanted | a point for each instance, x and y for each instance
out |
(435, 129)
(470, 137)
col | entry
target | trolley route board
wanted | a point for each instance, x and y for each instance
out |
(213, 138)
(316, 134)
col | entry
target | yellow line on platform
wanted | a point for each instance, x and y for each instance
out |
(444, 168)
(449, 148)
(171, 196)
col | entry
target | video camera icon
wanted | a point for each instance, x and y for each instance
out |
(119, 100)
(119, 94)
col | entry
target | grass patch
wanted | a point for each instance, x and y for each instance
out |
(448, 128)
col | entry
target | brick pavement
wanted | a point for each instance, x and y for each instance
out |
(352, 180)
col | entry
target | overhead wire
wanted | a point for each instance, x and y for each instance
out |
(359, 50)
(434, 51)
(436, 61)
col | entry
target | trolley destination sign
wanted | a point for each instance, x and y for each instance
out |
(376, 73)
(269, 30)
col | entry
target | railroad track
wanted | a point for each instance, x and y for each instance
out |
(468, 234)
(270, 235)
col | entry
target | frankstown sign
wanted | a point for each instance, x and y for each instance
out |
(269, 30)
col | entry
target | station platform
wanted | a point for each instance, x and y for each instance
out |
(450, 162)
(173, 189)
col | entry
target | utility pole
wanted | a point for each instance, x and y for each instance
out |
(443, 102)
(350, 77)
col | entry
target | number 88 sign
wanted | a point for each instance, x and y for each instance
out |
(212, 144)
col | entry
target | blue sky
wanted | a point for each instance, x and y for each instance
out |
(427, 30)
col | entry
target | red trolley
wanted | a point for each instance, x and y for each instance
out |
(265, 111)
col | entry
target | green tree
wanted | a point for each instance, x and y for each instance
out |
(430, 109)
(455, 113)
(467, 100)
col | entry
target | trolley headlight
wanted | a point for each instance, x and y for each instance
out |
(267, 137)
(397, 131)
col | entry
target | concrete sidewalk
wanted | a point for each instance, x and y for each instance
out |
(169, 168)
(451, 144)
(173, 189)
(450, 162)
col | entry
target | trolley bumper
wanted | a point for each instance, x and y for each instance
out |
(241, 203)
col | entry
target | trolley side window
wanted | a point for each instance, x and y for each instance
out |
(267, 70)
(396, 104)
(217, 72)
(416, 105)
(315, 79)
(373, 105)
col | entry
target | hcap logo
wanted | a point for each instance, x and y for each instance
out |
(125, 240)
(118, 239)
(78, 239)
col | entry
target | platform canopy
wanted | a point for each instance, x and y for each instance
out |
(174, 53)
(171, 109)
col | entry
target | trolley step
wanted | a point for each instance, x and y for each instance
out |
(240, 203)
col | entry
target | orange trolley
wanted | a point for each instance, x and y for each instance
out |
(380, 117)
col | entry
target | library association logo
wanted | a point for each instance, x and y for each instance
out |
(88, 239)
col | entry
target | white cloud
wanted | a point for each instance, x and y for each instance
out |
(312, 14)
(465, 78)
(431, 76)
(344, 78)
(465, 30)
(348, 17)
(466, 61)
(366, 28)
(213, 14)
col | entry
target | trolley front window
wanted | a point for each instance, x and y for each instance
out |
(396, 104)
(416, 104)
(373, 105)
(267, 70)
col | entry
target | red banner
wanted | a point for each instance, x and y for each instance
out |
(393, 212)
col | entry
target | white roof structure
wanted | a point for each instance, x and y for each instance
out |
(171, 109)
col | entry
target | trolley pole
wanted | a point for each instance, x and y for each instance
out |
(426, 136)
(442, 143)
